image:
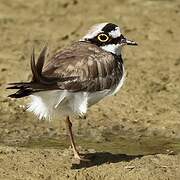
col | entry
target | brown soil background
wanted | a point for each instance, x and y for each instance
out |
(134, 135)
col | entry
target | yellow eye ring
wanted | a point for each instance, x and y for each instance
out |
(103, 37)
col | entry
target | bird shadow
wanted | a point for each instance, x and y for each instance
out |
(100, 158)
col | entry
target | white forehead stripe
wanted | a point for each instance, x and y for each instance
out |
(94, 31)
(115, 33)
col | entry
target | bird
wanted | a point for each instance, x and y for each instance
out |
(76, 77)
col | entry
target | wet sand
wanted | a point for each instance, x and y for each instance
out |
(133, 135)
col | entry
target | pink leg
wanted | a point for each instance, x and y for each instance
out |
(69, 127)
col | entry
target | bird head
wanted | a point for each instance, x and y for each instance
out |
(108, 37)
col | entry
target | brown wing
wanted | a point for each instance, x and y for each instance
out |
(86, 67)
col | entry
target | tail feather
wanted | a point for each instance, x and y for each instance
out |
(41, 60)
(36, 69)
(39, 81)
(27, 88)
(24, 89)
(21, 93)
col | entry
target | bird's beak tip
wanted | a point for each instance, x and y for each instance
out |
(131, 43)
(126, 41)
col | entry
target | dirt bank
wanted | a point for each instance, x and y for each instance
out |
(133, 135)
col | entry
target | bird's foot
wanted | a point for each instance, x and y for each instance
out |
(80, 158)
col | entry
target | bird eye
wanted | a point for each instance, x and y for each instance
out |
(103, 37)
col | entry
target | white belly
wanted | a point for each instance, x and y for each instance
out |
(47, 104)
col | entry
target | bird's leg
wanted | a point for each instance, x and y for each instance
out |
(69, 127)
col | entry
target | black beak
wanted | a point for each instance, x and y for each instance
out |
(125, 41)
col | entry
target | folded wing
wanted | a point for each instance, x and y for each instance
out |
(90, 68)
(81, 67)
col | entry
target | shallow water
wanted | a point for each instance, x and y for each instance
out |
(143, 146)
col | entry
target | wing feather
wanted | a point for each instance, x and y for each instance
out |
(94, 69)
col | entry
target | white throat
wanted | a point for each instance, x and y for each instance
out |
(113, 48)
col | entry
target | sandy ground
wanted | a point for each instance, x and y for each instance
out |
(133, 135)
